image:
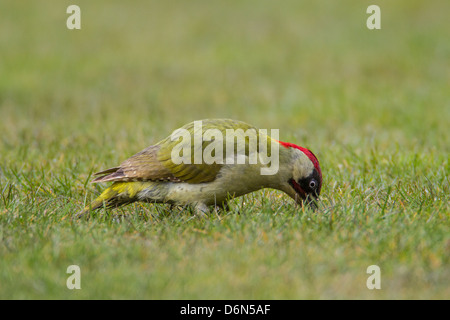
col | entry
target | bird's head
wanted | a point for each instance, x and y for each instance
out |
(305, 180)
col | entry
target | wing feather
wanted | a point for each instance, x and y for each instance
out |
(155, 162)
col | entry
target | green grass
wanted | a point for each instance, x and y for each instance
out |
(374, 106)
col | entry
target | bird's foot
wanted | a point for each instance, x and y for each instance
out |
(201, 210)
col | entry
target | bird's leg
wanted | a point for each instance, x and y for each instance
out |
(201, 209)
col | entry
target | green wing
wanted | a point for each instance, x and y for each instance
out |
(155, 163)
(195, 171)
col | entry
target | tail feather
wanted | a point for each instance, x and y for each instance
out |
(107, 171)
(113, 174)
(118, 194)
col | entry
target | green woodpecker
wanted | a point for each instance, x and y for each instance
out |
(207, 162)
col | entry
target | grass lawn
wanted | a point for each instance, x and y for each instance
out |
(373, 105)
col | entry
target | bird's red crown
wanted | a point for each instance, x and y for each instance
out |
(307, 152)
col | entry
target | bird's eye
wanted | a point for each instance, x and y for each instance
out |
(313, 184)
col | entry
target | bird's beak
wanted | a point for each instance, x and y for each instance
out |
(308, 200)
(312, 202)
(296, 193)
